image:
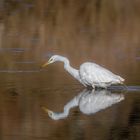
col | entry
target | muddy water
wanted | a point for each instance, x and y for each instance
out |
(23, 93)
(103, 32)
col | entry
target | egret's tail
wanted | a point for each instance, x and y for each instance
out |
(121, 79)
(122, 82)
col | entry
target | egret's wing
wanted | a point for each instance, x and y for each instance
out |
(91, 72)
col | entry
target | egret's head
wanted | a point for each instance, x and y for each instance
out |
(53, 59)
(50, 113)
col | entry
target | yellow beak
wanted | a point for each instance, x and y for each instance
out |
(45, 109)
(44, 65)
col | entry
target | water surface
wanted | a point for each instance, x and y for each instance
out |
(23, 94)
(104, 32)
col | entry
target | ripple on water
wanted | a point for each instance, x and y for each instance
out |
(15, 50)
(125, 88)
(19, 71)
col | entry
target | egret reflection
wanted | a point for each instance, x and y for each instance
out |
(89, 102)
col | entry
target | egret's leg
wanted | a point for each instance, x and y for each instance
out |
(103, 85)
(84, 85)
(93, 86)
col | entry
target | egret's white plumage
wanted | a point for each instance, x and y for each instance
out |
(89, 102)
(89, 74)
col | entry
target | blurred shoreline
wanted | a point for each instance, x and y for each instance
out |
(105, 32)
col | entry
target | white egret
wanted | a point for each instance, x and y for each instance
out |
(89, 102)
(89, 74)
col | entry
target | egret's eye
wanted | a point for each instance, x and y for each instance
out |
(51, 60)
(50, 113)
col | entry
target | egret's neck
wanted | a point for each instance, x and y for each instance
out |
(72, 103)
(72, 71)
